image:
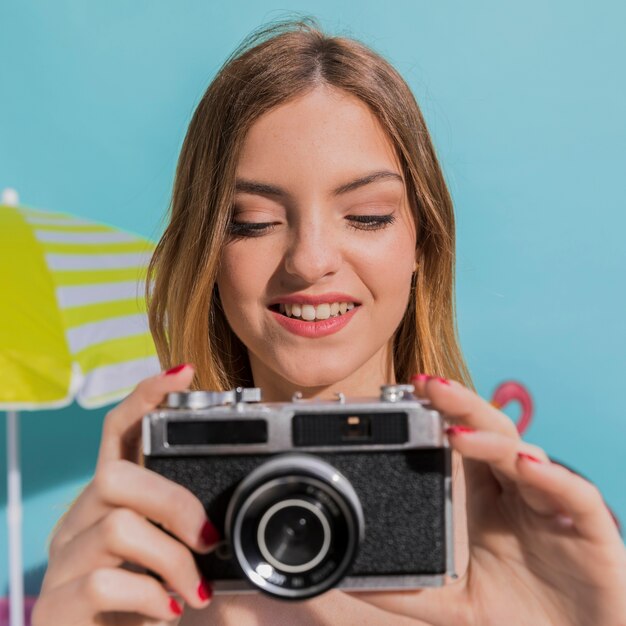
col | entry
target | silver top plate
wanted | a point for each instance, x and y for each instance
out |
(208, 399)
(425, 425)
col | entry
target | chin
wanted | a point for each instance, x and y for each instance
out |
(321, 374)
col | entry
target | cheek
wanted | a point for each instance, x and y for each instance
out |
(241, 275)
(244, 274)
(387, 268)
(235, 284)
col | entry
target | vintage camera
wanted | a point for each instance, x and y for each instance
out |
(312, 494)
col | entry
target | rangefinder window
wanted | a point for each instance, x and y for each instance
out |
(218, 432)
(333, 429)
(356, 427)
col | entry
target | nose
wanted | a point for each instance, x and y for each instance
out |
(314, 252)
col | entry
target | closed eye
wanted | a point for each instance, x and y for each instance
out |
(358, 222)
(250, 229)
(370, 222)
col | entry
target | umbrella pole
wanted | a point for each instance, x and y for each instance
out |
(14, 519)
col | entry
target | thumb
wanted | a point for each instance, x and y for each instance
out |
(121, 431)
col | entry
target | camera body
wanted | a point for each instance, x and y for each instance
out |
(312, 494)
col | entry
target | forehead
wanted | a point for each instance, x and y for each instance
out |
(323, 135)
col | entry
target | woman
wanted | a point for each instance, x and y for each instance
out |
(311, 248)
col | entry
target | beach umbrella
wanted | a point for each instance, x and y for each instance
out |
(73, 326)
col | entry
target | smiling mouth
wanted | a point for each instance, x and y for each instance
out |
(314, 313)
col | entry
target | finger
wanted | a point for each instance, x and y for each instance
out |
(495, 449)
(81, 600)
(124, 536)
(124, 484)
(577, 498)
(121, 431)
(547, 488)
(460, 404)
(479, 451)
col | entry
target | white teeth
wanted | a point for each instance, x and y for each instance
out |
(309, 313)
(322, 311)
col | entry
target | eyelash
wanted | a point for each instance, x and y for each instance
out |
(250, 229)
(358, 222)
(371, 222)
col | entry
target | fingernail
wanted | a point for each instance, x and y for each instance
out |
(204, 590)
(421, 377)
(209, 534)
(443, 381)
(459, 430)
(175, 370)
(529, 457)
(175, 607)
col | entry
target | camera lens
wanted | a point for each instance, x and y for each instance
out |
(294, 535)
(295, 524)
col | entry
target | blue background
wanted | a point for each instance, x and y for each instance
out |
(527, 106)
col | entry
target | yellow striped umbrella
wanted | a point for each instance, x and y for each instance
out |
(73, 322)
(73, 325)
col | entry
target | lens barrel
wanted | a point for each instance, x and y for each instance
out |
(294, 524)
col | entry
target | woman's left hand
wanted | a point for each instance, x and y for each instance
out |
(543, 547)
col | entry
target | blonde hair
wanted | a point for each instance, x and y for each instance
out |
(273, 65)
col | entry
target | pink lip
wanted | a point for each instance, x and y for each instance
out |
(315, 300)
(315, 329)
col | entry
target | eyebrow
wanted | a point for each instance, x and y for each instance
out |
(264, 189)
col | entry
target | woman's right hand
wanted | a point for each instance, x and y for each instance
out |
(110, 525)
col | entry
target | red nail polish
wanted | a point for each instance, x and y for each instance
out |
(443, 381)
(175, 607)
(459, 430)
(421, 377)
(529, 457)
(175, 370)
(209, 534)
(204, 590)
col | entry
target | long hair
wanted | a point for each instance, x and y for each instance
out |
(273, 65)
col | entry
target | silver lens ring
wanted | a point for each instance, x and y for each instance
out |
(291, 472)
(267, 554)
(256, 576)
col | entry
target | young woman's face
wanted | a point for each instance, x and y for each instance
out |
(317, 275)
